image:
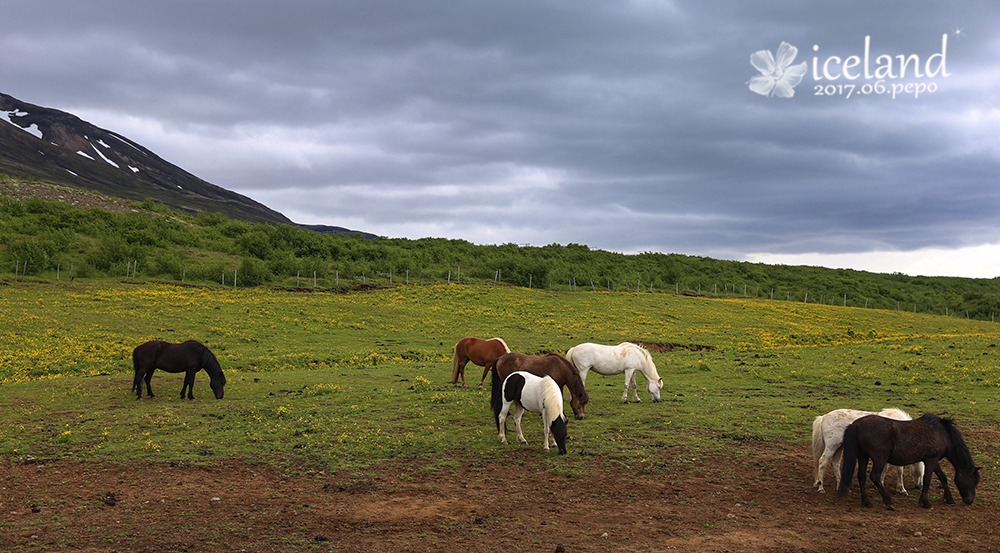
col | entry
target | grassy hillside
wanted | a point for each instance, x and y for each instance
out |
(150, 241)
(347, 380)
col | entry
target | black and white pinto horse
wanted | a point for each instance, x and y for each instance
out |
(528, 392)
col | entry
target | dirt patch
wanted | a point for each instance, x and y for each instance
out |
(756, 499)
(84, 199)
(664, 347)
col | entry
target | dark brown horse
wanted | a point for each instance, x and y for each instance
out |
(927, 439)
(479, 351)
(188, 357)
(554, 365)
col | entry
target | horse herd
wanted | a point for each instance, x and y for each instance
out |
(845, 437)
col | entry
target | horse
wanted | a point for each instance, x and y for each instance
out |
(538, 394)
(927, 439)
(626, 358)
(188, 357)
(562, 372)
(480, 352)
(828, 439)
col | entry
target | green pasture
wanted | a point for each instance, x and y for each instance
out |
(346, 381)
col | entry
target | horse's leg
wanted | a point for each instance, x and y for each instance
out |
(917, 471)
(862, 476)
(838, 463)
(517, 424)
(635, 388)
(189, 384)
(502, 423)
(879, 467)
(900, 485)
(821, 469)
(628, 375)
(930, 468)
(944, 485)
(486, 371)
(148, 378)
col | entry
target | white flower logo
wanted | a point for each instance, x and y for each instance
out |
(777, 78)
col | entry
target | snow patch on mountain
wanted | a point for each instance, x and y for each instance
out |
(105, 158)
(32, 129)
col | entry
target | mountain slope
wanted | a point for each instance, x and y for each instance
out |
(60, 148)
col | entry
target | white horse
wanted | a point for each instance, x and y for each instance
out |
(828, 444)
(532, 393)
(626, 358)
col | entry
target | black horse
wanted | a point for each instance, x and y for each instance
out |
(189, 357)
(901, 443)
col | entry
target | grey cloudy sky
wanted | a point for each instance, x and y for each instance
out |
(627, 126)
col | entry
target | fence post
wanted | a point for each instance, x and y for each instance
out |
(70, 277)
(234, 277)
(58, 266)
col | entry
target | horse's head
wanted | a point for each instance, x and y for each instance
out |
(577, 406)
(218, 384)
(558, 429)
(966, 482)
(654, 387)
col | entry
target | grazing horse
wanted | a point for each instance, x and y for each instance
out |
(626, 358)
(554, 365)
(927, 439)
(538, 394)
(480, 352)
(828, 439)
(188, 357)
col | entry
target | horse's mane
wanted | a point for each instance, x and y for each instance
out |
(551, 397)
(960, 456)
(210, 362)
(505, 346)
(577, 381)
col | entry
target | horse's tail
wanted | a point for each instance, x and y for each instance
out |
(849, 460)
(569, 355)
(819, 445)
(136, 380)
(454, 363)
(496, 394)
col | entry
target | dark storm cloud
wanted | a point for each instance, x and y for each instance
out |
(627, 126)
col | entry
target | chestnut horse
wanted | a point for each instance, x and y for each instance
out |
(479, 351)
(554, 365)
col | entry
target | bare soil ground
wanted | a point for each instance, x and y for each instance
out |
(757, 499)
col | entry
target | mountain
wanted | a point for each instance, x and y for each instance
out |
(60, 148)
